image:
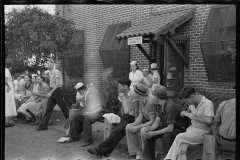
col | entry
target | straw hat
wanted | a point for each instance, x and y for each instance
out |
(141, 88)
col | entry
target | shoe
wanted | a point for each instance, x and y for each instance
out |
(41, 129)
(63, 139)
(25, 121)
(93, 151)
(71, 140)
(9, 124)
(131, 156)
(87, 143)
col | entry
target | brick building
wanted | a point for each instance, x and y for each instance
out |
(187, 39)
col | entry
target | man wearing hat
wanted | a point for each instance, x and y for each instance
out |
(81, 97)
(146, 117)
(168, 112)
(55, 96)
(129, 104)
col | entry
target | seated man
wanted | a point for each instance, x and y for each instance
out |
(93, 107)
(81, 97)
(129, 103)
(224, 125)
(201, 113)
(146, 117)
(168, 112)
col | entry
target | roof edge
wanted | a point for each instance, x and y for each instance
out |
(174, 10)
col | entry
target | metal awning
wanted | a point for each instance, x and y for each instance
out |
(159, 23)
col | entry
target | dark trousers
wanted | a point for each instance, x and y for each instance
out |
(81, 123)
(106, 147)
(167, 139)
(56, 98)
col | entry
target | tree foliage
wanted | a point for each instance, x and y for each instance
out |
(32, 32)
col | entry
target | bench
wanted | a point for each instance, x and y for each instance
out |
(210, 150)
(108, 127)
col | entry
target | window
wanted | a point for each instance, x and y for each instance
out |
(218, 44)
(73, 60)
(114, 54)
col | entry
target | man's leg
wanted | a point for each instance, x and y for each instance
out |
(43, 123)
(168, 139)
(59, 100)
(76, 127)
(131, 141)
(182, 141)
(148, 145)
(87, 128)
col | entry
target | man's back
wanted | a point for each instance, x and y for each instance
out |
(227, 111)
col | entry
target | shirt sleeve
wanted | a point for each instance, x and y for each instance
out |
(134, 97)
(209, 110)
(57, 74)
(152, 108)
(171, 115)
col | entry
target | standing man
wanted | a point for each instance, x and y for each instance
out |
(168, 125)
(55, 96)
(129, 107)
(146, 117)
(201, 113)
(224, 125)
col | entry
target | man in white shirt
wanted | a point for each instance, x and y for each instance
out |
(201, 113)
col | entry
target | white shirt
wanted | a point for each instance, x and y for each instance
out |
(204, 108)
(156, 75)
(135, 77)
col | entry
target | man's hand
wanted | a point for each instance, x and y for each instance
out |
(49, 95)
(134, 129)
(8, 89)
(183, 113)
(149, 134)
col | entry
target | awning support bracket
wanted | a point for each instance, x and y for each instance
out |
(145, 53)
(177, 50)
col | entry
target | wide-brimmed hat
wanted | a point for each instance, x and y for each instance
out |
(78, 85)
(160, 92)
(154, 66)
(141, 88)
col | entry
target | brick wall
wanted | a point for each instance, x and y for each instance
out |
(95, 18)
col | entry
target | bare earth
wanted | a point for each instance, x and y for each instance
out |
(23, 142)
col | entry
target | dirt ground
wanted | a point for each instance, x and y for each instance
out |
(23, 142)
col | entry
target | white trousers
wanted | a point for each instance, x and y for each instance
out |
(132, 141)
(192, 136)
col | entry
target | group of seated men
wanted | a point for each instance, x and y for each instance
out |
(153, 118)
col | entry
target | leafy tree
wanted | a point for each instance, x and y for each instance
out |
(32, 35)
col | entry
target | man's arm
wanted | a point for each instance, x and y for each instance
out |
(149, 123)
(205, 120)
(167, 129)
(138, 120)
(155, 124)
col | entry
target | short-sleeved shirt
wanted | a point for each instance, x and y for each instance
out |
(170, 114)
(21, 86)
(226, 118)
(43, 88)
(135, 77)
(205, 108)
(127, 102)
(53, 75)
(147, 107)
(94, 100)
